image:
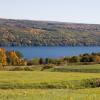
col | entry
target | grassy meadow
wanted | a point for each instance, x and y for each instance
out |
(48, 85)
(46, 80)
(78, 68)
(50, 94)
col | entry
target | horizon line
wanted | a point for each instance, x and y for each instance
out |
(55, 21)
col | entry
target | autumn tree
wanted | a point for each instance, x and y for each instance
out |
(3, 57)
(97, 58)
(14, 59)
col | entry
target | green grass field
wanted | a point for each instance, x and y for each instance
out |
(78, 68)
(50, 94)
(58, 80)
(46, 85)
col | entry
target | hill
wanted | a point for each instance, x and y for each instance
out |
(47, 33)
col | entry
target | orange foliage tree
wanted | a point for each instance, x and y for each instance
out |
(15, 60)
(3, 57)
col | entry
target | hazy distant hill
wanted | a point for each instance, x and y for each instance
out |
(46, 33)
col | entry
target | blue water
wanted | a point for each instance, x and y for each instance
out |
(53, 52)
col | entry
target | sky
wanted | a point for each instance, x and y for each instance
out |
(77, 11)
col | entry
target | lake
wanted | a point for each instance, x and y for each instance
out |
(53, 52)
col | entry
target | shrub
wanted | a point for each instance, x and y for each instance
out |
(47, 67)
(29, 63)
(35, 61)
(17, 69)
(41, 61)
(28, 69)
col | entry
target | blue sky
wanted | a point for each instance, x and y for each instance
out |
(80, 11)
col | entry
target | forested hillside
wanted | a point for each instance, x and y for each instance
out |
(46, 33)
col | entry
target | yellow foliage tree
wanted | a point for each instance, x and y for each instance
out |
(3, 56)
(14, 58)
(97, 58)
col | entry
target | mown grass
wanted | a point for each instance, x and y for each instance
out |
(47, 80)
(48, 94)
(78, 68)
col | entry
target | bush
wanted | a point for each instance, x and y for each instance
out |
(41, 61)
(87, 58)
(74, 59)
(29, 63)
(35, 61)
(21, 69)
(17, 69)
(28, 69)
(47, 67)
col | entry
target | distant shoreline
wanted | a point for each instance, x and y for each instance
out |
(47, 33)
(54, 46)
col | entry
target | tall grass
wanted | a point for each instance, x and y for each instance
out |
(55, 94)
(50, 80)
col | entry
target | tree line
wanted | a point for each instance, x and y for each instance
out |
(11, 58)
(15, 58)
